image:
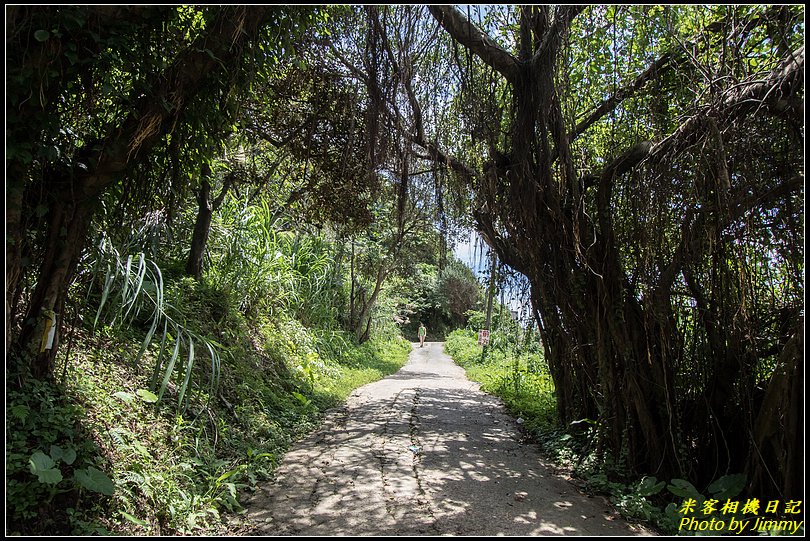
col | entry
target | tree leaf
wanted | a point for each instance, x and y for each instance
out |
(42, 35)
(684, 489)
(20, 411)
(728, 486)
(134, 520)
(126, 397)
(649, 487)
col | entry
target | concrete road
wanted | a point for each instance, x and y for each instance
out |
(424, 452)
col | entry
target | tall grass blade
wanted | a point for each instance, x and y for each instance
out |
(109, 278)
(139, 277)
(189, 365)
(161, 354)
(125, 289)
(170, 366)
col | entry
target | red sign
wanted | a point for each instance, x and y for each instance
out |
(483, 337)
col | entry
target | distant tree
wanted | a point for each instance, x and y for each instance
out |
(458, 290)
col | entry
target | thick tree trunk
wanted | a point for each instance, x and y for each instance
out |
(67, 230)
(608, 354)
(612, 349)
(778, 431)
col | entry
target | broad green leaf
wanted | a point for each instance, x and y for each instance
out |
(49, 477)
(728, 486)
(41, 461)
(147, 396)
(68, 456)
(226, 475)
(95, 480)
(126, 397)
(42, 35)
(43, 467)
(649, 487)
(134, 520)
(684, 489)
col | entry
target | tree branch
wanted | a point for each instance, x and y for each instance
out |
(227, 182)
(663, 63)
(463, 31)
(562, 21)
(154, 113)
(452, 163)
(750, 96)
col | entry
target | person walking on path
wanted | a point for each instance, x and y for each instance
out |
(422, 335)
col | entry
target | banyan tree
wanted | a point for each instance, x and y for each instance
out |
(643, 168)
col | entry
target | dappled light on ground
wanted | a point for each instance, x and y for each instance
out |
(423, 452)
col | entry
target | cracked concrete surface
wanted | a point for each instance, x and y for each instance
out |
(423, 452)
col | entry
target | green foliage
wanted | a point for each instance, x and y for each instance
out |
(646, 499)
(43, 467)
(659, 503)
(52, 469)
(156, 471)
(96, 481)
(721, 295)
(186, 392)
(519, 379)
(631, 501)
(364, 364)
(132, 294)
(442, 300)
(691, 503)
(524, 385)
(458, 291)
(269, 269)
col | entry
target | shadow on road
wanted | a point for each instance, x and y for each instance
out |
(423, 452)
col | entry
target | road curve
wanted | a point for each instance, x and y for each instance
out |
(423, 452)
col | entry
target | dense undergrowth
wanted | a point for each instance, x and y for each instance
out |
(521, 379)
(92, 451)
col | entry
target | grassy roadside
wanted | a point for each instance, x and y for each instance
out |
(521, 381)
(92, 452)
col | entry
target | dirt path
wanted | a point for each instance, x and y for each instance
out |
(423, 452)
